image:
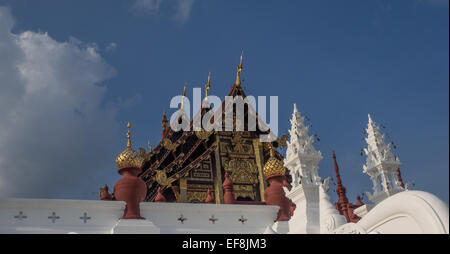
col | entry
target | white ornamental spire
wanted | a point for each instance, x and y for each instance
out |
(301, 156)
(377, 149)
(302, 160)
(300, 141)
(381, 164)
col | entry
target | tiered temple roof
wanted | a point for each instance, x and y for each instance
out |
(186, 164)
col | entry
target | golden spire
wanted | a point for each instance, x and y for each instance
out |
(164, 121)
(239, 70)
(271, 152)
(207, 86)
(182, 96)
(129, 135)
(129, 157)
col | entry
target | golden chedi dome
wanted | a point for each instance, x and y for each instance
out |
(273, 166)
(129, 158)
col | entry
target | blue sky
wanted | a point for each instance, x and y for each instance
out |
(338, 60)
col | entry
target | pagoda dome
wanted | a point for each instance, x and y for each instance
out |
(129, 158)
(273, 166)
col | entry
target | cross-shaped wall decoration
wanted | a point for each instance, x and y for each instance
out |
(21, 216)
(85, 218)
(242, 219)
(212, 219)
(53, 217)
(182, 219)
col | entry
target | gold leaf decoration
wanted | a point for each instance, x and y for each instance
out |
(144, 155)
(202, 134)
(169, 145)
(162, 179)
(282, 141)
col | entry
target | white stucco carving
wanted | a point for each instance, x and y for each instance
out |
(330, 219)
(302, 160)
(350, 228)
(381, 165)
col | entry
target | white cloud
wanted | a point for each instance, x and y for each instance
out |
(55, 132)
(182, 8)
(111, 47)
(129, 102)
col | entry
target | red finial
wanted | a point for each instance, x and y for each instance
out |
(336, 169)
(227, 181)
(359, 203)
(342, 205)
(104, 193)
(399, 176)
(160, 197)
(340, 190)
(228, 195)
(209, 198)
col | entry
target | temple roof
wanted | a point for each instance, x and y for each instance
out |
(180, 151)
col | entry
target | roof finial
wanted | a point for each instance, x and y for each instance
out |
(207, 86)
(336, 169)
(271, 152)
(164, 122)
(342, 205)
(239, 70)
(182, 96)
(149, 146)
(129, 135)
(271, 148)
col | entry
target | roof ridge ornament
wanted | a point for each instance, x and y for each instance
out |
(271, 148)
(129, 135)
(207, 86)
(182, 96)
(149, 146)
(164, 121)
(239, 70)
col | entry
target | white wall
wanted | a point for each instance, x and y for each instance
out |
(105, 215)
(405, 212)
